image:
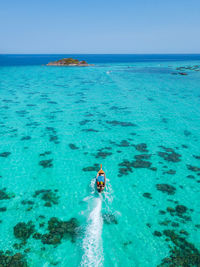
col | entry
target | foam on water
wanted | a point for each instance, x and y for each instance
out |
(92, 243)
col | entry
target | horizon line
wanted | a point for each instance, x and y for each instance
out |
(100, 53)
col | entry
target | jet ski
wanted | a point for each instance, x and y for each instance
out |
(101, 180)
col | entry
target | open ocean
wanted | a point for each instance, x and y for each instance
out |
(138, 116)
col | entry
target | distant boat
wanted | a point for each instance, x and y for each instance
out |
(101, 180)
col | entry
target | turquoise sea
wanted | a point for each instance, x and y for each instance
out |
(140, 119)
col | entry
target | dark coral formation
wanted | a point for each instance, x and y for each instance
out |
(126, 166)
(49, 196)
(102, 153)
(193, 168)
(171, 172)
(109, 218)
(169, 154)
(4, 195)
(124, 143)
(166, 188)
(60, 229)
(121, 123)
(52, 135)
(147, 195)
(5, 154)
(45, 153)
(24, 230)
(90, 130)
(25, 138)
(46, 163)
(83, 122)
(73, 146)
(95, 167)
(183, 253)
(141, 147)
(16, 260)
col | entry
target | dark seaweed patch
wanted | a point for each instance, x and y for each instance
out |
(46, 163)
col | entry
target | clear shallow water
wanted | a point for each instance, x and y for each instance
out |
(87, 116)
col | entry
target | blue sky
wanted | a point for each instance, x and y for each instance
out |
(104, 26)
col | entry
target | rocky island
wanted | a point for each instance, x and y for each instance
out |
(69, 62)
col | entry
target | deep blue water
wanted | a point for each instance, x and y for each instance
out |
(23, 60)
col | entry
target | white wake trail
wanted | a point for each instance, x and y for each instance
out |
(92, 243)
